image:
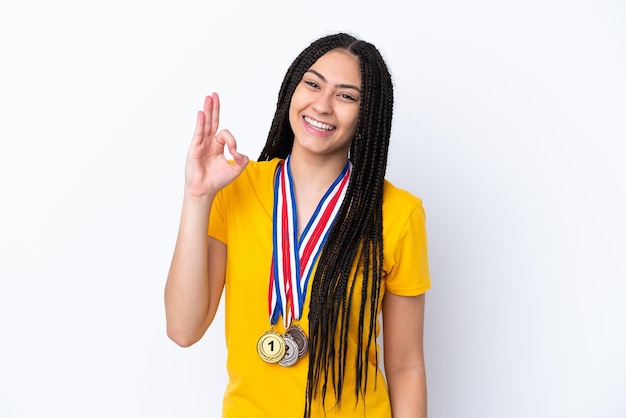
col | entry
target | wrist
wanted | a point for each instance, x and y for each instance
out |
(195, 202)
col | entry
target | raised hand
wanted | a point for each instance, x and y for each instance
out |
(207, 170)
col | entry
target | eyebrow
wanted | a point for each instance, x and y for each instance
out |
(341, 86)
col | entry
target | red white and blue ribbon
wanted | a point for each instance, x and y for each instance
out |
(293, 258)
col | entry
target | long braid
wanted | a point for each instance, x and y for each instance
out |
(356, 234)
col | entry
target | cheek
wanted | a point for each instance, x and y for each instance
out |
(293, 109)
(351, 118)
(293, 115)
(299, 101)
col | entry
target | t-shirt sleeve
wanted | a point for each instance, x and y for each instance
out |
(408, 274)
(217, 221)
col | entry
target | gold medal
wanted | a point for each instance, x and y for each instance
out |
(271, 347)
(291, 351)
(300, 337)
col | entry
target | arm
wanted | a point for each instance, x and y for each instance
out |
(403, 326)
(196, 276)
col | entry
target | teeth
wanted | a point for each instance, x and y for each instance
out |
(318, 125)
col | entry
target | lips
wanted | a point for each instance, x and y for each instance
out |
(320, 126)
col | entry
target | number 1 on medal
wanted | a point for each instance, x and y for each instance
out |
(271, 347)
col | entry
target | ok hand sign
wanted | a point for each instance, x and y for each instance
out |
(207, 170)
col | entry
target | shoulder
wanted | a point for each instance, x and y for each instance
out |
(248, 195)
(255, 183)
(399, 203)
(257, 174)
(403, 215)
(261, 169)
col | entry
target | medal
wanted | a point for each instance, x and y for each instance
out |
(299, 336)
(271, 347)
(291, 351)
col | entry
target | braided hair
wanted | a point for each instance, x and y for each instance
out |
(356, 234)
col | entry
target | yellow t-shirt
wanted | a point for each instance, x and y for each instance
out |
(241, 218)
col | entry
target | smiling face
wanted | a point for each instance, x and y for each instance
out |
(324, 108)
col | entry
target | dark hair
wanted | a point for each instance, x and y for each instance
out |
(356, 234)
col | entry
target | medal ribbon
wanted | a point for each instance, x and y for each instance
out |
(292, 258)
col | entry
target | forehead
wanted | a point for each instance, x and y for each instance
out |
(339, 65)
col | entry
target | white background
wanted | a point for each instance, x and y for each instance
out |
(510, 124)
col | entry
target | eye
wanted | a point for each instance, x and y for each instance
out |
(311, 84)
(346, 96)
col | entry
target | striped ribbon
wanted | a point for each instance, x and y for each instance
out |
(292, 258)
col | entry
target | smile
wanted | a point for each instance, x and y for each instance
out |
(318, 125)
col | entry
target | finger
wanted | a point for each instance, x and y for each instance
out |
(198, 132)
(226, 138)
(208, 111)
(229, 140)
(241, 159)
(215, 115)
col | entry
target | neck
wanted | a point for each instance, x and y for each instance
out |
(315, 174)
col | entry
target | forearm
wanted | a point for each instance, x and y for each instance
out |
(187, 288)
(403, 329)
(407, 392)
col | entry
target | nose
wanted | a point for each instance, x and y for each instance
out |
(323, 103)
